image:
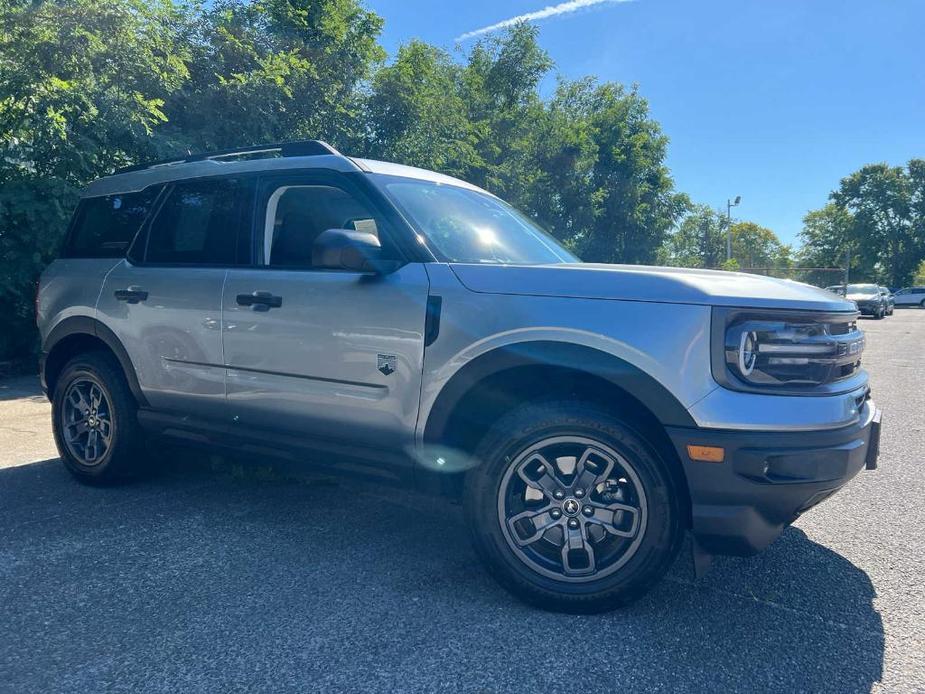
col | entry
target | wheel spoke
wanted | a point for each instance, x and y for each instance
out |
(589, 472)
(540, 520)
(92, 445)
(96, 396)
(78, 401)
(545, 481)
(105, 431)
(574, 546)
(75, 429)
(605, 516)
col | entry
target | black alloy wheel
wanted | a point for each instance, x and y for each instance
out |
(573, 508)
(94, 417)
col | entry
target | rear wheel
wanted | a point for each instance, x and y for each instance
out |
(94, 420)
(571, 509)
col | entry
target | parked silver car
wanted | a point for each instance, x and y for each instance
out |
(288, 299)
(869, 299)
(889, 299)
(910, 296)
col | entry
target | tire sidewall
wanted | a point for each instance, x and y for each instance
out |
(500, 448)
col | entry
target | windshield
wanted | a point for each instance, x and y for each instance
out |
(467, 226)
(863, 289)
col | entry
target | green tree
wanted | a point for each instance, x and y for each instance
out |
(885, 232)
(919, 278)
(613, 195)
(757, 247)
(827, 243)
(82, 88)
(588, 163)
(878, 215)
(698, 241)
(273, 70)
(415, 113)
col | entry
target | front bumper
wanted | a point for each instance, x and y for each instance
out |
(767, 479)
(867, 308)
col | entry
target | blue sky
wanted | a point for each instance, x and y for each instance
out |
(773, 100)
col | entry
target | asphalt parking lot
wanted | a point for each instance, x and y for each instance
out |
(204, 579)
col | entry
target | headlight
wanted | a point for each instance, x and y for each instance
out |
(784, 351)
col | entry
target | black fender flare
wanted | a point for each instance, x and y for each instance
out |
(84, 325)
(647, 390)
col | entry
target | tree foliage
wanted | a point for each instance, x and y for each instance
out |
(83, 85)
(588, 163)
(757, 248)
(271, 70)
(877, 215)
(700, 241)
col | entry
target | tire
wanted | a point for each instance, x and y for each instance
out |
(922, 303)
(95, 379)
(543, 573)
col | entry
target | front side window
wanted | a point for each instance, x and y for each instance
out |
(297, 214)
(197, 225)
(468, 226)
(105, 226)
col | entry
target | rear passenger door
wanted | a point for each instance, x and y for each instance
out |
(325, 355)
(164, 300)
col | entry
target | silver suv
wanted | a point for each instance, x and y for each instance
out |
(291, 300)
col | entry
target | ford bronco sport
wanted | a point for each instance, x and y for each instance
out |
(288, 299)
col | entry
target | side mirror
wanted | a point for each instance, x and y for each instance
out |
(346, 249)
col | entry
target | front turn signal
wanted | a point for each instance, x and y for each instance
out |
(706, 454)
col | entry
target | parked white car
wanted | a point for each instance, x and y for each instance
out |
(910, 296)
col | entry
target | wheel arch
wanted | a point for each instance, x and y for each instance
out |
(505, 377)
(79, 334)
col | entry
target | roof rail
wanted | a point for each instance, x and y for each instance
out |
(297, 148)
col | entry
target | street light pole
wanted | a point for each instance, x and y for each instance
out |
(729, 205)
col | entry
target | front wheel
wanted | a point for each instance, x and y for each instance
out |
(571, 509)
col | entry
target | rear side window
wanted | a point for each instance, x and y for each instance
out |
(198, 224)
(104, 227)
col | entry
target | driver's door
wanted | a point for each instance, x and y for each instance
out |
(318, 353)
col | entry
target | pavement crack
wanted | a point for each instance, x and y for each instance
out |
(776, 606)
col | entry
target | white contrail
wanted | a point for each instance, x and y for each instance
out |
(545, 13)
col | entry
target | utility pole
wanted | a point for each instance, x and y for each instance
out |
(847, 267)
(729, 205)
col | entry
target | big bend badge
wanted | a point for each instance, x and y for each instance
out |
(387, 364)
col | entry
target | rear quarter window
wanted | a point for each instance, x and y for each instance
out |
(105, 226)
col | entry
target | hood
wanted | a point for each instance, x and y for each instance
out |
(645, 283)
(863, 296)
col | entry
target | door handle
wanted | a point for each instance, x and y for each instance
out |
(260, 301)
(132, 295)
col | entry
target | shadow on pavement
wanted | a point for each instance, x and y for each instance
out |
(197, 579)
(21, 387)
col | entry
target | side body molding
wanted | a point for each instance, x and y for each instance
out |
(84, 325)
